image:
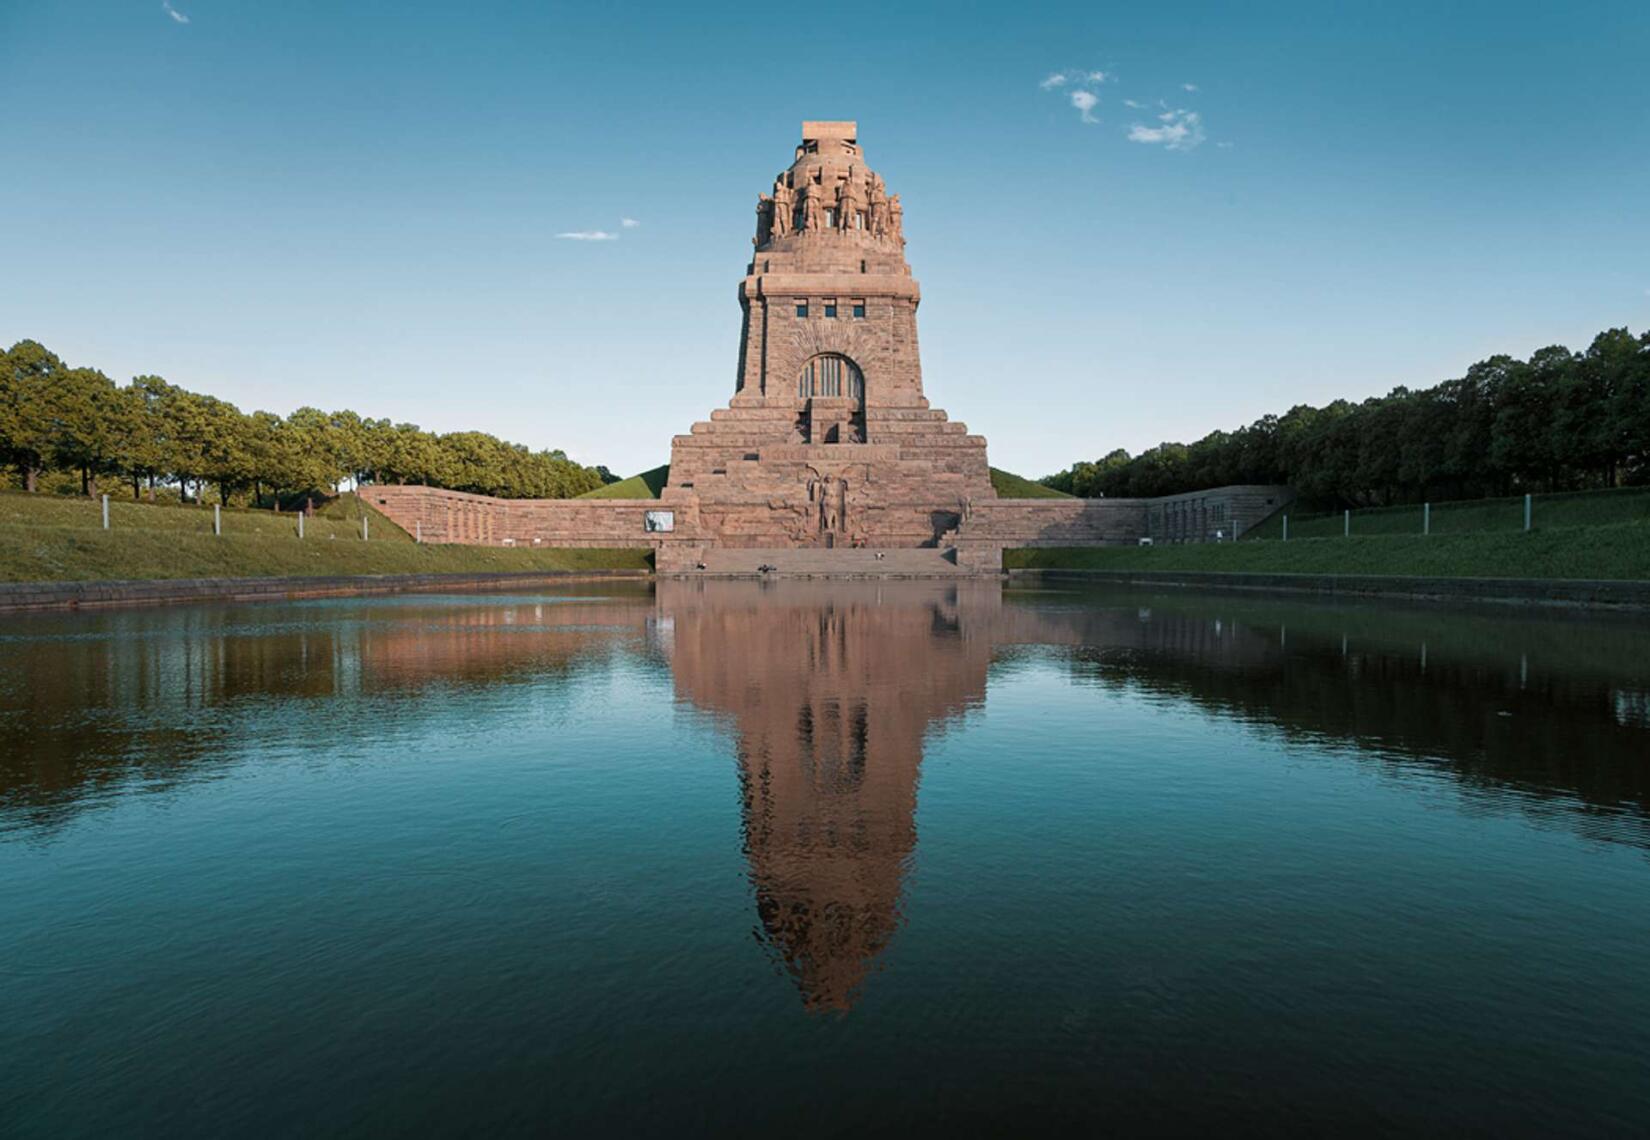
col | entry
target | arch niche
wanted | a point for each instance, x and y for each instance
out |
(831, 375)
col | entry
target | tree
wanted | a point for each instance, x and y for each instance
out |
(30, 422)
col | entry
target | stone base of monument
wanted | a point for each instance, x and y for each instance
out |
(791, 561)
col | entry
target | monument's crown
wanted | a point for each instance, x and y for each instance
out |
(816, 129)
(828, 193)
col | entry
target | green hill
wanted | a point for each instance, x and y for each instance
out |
(1468, 516)
(647, 485)
(56, 538)
(1618, 551)
(1012, 486)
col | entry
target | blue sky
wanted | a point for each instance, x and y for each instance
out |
(288, 203)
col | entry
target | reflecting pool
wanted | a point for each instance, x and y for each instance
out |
(816, 858)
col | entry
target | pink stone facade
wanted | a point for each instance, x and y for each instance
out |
(828, 440)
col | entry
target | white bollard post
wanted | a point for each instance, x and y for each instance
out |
(1346, 529)
(1527, 510)
(363, 528)
(300, 522)
(1286, 528)
(217, 519)
(418, 531)
(1426, 518)
(105, 512)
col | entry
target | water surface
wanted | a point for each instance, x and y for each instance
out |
(823, 857)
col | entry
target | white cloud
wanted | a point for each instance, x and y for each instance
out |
(1135, 103)
(1075, 79)
(176, 15)
(588, 235)
(1081, 95)
(1191, 87)
(629, 223)
(1179, 130)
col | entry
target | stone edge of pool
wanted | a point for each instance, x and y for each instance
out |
(22, 597)
(1606, 593)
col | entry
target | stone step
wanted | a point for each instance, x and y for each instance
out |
(928, 562)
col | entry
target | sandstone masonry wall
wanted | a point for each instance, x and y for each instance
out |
(437, 515)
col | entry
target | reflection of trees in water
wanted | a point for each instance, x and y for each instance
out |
(1527, 703)
(832, 690)
(99, 703)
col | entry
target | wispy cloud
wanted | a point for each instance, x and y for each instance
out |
(177, 16)
(629, 223)
(1082, 94)
(588, 235)
(1177, 129)
(1162, 123)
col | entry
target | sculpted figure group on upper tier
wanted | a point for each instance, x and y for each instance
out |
(850, 207)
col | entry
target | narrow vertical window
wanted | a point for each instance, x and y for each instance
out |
(802, 308)
(830, 306)
(859, 309)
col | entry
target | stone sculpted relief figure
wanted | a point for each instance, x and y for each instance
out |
(784, 206)
(848, 205)
(821, 493)
(812, 212)
(896, 219)
(838, 504)
(764, 219)
(877, 221)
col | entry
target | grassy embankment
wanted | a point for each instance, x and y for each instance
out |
(1011, 486)
(55, 538)
(648, 484)
(1604, 534)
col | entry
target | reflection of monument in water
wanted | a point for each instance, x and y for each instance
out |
(832, 690)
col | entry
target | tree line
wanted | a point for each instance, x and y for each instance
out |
(150, 432)
(1559, 421)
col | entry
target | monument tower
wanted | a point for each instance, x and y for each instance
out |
(828, 439)
(827, 458)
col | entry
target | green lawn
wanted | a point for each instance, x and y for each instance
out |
(1618, 551)
(647, 485)
(1012, 486)
(1582, 508)
(53, 538)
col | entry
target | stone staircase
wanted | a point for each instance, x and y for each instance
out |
(842, 562)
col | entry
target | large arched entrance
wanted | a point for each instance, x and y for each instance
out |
(831, 375)
(833, 390)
